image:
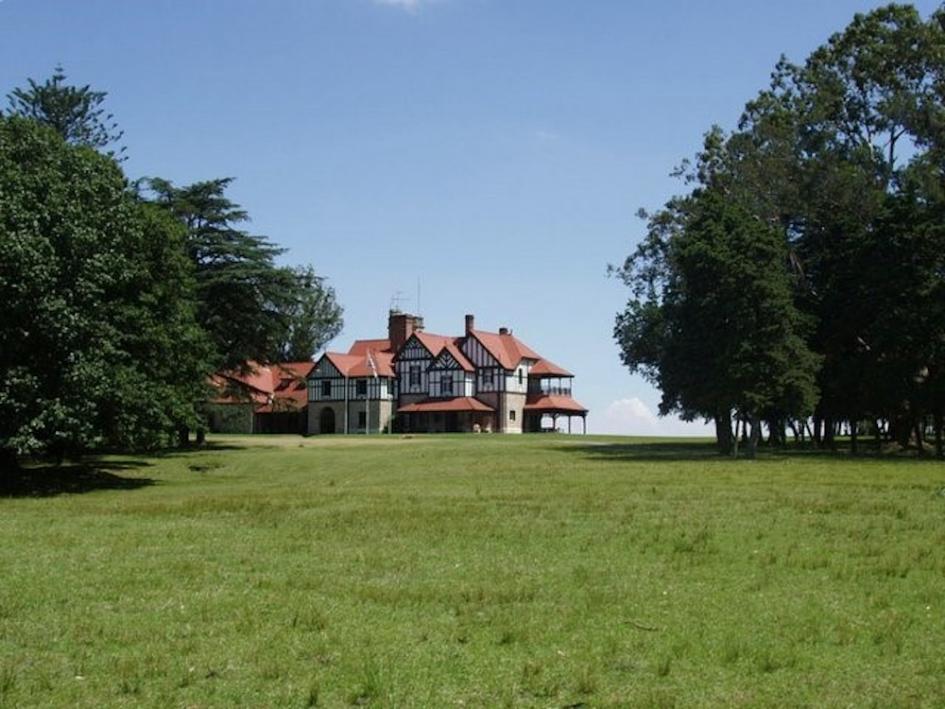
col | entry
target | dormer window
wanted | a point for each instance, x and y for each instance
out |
(326, 387)
(414, 375)
(446, 385)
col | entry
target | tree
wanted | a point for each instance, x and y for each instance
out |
(314, 316)
(75, 112)
(98, 340)
(721, 334)
(251, 308)
(843, 157)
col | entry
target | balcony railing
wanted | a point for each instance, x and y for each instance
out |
(550, 389)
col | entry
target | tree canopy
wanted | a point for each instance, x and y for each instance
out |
(77, 113)
(99, 343)
(251, 308)
(841, 158)
(120, 303)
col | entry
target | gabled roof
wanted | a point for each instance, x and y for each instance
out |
(457, 355)
(435, 344)
(553, 404)
(507, 349)
(359, 365)
(457, 403)
(361, 347)
(383, 365)
(547, 368)
(342, 362)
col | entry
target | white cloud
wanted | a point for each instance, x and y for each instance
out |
(632, 417)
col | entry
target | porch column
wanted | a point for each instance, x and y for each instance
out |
(584, 421)
(569, 424)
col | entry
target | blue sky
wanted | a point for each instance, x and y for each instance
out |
(496, 150)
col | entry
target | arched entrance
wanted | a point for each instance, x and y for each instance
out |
(326, 421)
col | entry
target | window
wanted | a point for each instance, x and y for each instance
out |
(520, 376)
(446, 385)
(326, 387)
(511, 414)
(487, 377)
(414, 375)
(361, 387)
(362, 419)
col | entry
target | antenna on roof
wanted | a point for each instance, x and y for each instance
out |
(419, 309)
(395, 300)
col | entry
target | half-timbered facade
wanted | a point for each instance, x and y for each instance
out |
(421, 382)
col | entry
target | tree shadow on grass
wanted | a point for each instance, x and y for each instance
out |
(72, 478)
(707, 452)
(646, 452)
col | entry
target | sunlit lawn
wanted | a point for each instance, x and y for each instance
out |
(474, 571)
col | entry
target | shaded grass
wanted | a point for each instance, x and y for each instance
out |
(72, 478)
(478, 571)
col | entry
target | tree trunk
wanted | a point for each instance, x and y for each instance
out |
(753, 436)
(853, 434)
(738, 436)
(201, 436)
(816, 433)
(939, 450)
(919, 443)
(9, 463)
(798, 435)
(183, 437)
(723, 432)
(829, 430)
(901, 430)
(776, 432)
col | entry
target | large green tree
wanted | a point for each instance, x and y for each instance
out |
(77, 113)
(314, 316)
(720, 334)
(844, 157)
(99, 343)
(251, 307)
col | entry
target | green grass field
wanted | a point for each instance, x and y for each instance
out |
(474, 571)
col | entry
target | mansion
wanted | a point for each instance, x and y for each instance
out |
(415, 381)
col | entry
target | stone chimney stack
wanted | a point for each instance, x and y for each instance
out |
(400, 326)
(470, 323)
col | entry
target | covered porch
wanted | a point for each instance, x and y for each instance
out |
(540, 407)
(460, 414)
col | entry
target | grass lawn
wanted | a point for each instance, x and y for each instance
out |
(472, 571)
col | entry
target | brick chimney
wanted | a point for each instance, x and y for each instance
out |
(400, 326)
(504, 331)
(470, 323)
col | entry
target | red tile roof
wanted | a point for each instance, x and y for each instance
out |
(507, 349)
(459, 403)
(359, 365)
(547, 368)
(361, 347)
(383, 365)
(553, 404)
(342, 362)
(278, 386)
